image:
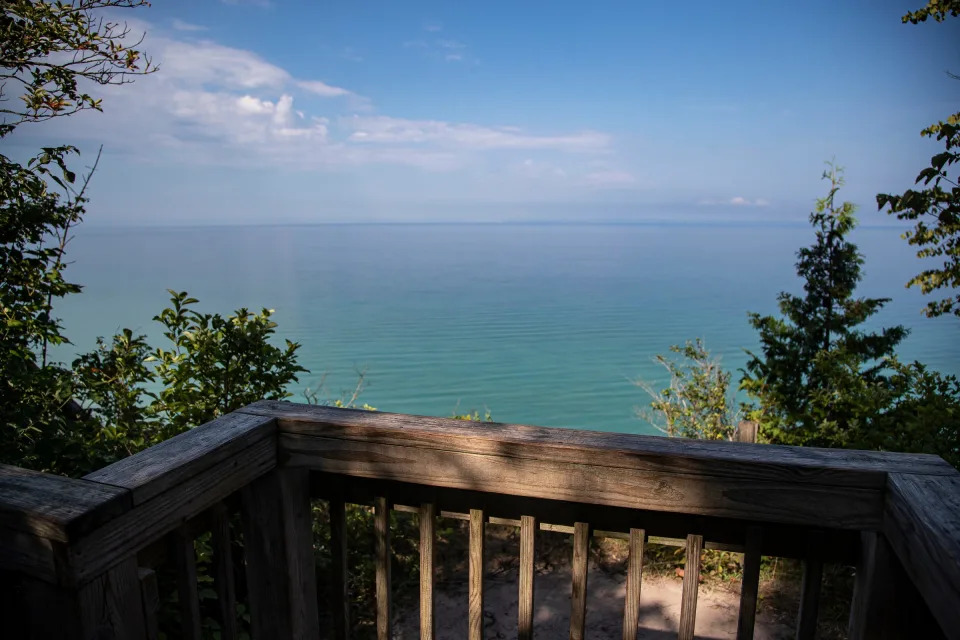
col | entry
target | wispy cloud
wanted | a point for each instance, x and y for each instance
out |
(736, 201)
(253, 3)
(180, 25)
(323, 89)
(446, 49)
(388, 130)
(610, 179)
(349, 53)
(433, 27)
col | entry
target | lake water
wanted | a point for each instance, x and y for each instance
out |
(540, 324)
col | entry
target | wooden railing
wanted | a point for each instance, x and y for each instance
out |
(80, 558)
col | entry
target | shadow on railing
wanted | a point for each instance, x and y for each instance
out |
(78, 557)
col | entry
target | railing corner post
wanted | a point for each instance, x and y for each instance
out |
(278, 541)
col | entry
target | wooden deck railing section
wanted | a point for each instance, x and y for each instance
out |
(79, 557)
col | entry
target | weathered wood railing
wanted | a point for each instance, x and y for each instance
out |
(77, 557)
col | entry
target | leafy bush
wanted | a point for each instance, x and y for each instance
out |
(698, 403)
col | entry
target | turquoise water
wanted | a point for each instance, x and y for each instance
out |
(540, 324)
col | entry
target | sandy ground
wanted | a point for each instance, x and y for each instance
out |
(660, 609)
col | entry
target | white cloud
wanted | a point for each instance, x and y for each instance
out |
(211, 63)
(453, 57)
(433, 27)
(450, 44)
(323, 89)
(387, 130)
(180, 25)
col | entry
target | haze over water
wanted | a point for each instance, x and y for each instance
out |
(540, 324)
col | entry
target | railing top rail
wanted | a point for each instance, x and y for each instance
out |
(54, 507)
(154, 470)
(66, 531)
(850, 468)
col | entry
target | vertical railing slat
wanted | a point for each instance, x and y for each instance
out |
(810, 588)
(381, 521)
(691, 584)
(631, 602)
(109, 605)
(428, 523)
(185, 557)
(750, 585)
(223, 568)
(578, 586)
(150, 600)
(528, 537)
(475, 622)
(339, 600)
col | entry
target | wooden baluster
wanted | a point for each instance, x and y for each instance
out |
(428, 525)
(578, 587)
(381, 525)
(691, 583)
(528, 536)
(185, 557)
(223, 569)
(110, 606)
(875, 606)
(278, 542)
(631, 603)
(339, 600)
(150, 599)
(475, 623)
(810, 588)
(750, 584)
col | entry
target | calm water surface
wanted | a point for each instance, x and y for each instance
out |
(540, 324)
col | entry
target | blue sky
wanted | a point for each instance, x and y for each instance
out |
(294, 111)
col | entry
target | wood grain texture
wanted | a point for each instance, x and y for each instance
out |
(185, 560)
(810, 589)
(165, 465)
(145, 523)
(922, 525)
(428, 550)
(224, 581)
(475, 603)
(874, 607)
(750, 584)
(747, 431)
(110, 605)
(381, 523)
(781, 500)
(150, 599)
(578, 580)
(339, 598)
(733, 459)
(297, 521)
(27, 554)
(528, 550)
(631, 601)
(53, 507)
(691, 585)
(278, 542)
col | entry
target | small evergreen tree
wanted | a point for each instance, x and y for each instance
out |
(820, 379)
